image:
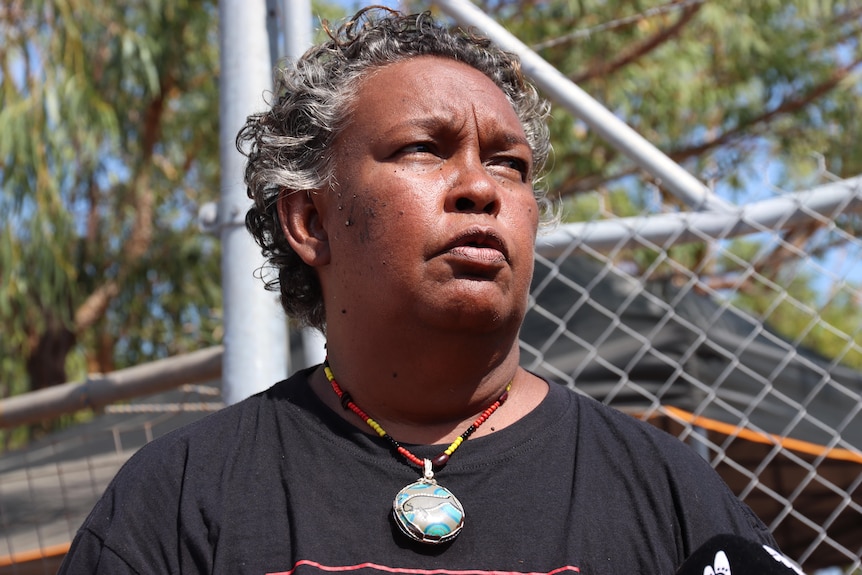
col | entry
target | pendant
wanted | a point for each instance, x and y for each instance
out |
(427, 512)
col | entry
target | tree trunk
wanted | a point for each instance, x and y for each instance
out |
(46, 364)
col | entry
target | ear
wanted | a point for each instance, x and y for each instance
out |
(302, 225)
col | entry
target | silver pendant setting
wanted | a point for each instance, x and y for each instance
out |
(428, 512)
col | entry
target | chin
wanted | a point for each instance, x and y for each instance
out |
(476, 319)
(473, 306)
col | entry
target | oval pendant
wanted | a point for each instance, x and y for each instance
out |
(427, 512)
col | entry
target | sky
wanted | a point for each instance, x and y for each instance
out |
(355, 4)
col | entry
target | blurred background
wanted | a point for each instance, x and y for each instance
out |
(726, 309)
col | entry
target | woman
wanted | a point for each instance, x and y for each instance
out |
(393, 181)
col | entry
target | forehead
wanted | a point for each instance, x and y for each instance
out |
(423, 88)
(418, 69)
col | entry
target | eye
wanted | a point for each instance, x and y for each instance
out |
(512, 166)
(418, 148)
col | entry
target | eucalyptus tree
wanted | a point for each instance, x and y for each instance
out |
(108, 144)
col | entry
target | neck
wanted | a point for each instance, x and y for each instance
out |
(427, 394)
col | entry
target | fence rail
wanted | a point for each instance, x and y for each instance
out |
(48, 488)
(772, 215)
(99, 390)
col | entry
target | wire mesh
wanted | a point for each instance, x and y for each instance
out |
(747, 347)
(48, 487)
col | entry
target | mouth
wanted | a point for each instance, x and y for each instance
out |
(479, 245)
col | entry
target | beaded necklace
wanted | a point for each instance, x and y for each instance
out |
(424, 510)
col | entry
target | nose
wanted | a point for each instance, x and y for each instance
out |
(474, 191)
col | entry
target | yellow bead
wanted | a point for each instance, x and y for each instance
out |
(454, 446)
(376, 427)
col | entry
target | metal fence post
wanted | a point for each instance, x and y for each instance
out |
(255, 328)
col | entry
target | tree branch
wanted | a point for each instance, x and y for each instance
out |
(94, 307)
(587, 183)
(788, 106)
(583, 183)
(638, 50)
(140, 238)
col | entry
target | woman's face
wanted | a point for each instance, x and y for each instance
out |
(432, 219)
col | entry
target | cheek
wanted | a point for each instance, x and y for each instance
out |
(378, 229)
(526, 214)
(370, 220)
(362, 217)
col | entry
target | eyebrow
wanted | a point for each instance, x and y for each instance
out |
(439, 118)
(516, 139)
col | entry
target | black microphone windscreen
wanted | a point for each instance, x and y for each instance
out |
(735, 555)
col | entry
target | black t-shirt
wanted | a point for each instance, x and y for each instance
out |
(280, 484)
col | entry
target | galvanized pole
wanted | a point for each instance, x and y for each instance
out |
(255, 328)
(296, 23)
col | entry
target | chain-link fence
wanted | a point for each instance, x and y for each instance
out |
(740, 333)
(48, 487)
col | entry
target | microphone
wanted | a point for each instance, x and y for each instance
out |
(735, 555)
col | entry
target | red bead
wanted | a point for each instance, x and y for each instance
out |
(406, 453)
(439, 461)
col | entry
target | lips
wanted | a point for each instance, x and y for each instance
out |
(480, 245)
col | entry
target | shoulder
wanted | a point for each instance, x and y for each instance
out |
(605, 435)
(611, 427)
(157, 475)
(181, 481)
(213, 440)
(662, 468)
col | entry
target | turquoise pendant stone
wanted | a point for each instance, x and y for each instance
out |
(427, 512)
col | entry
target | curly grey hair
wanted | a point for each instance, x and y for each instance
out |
(289, 146)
